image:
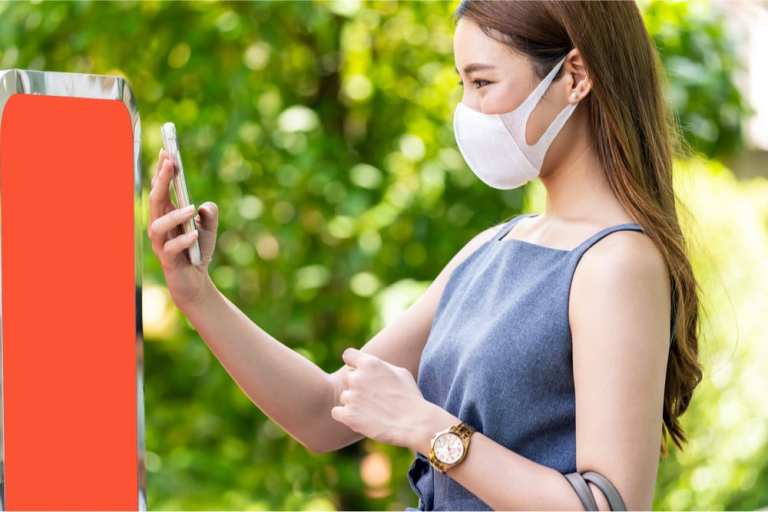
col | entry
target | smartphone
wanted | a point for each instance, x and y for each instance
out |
(179, 186)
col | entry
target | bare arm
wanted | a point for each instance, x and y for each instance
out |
(291, 390)
(621, 331)
(619, 314)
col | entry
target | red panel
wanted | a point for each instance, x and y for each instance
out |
(68, 304)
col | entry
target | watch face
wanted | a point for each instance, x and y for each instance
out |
(448, 448)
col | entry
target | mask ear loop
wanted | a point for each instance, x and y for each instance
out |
(556, 125)
(516, 120)
(530, 102)
(535, 152)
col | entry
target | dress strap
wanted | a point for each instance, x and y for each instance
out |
(589, 242)
(510, 224)
(592, 240)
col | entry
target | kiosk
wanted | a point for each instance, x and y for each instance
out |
(71, 384)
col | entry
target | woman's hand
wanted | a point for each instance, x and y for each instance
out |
(186, 282)
(382, 401)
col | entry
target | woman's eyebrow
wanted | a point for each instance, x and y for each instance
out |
(475, 66)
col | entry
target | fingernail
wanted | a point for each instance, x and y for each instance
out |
(189, 208)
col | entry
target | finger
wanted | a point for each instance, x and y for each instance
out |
(160, 227)
(351, 356)
(152, 183)
(160, 157)
(173, 247)
(156, 195)
(159, 196)
(168, 225)
(355, 357)
(159, 162)
(345, 377)
(340, 414)
(345, 396)
(209, 216)
(157, 242)
(175, 230)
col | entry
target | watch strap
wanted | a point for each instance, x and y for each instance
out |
(464, 430)
(461, 429)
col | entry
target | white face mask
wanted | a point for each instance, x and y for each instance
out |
(494, 145)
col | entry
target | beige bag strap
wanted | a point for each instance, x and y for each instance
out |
(579, 483)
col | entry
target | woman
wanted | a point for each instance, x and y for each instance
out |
(586, 311)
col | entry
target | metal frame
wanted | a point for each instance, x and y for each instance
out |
(78, 85)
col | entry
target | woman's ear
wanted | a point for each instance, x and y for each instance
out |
(579, 83)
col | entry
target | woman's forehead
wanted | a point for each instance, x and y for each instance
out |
(471, 46)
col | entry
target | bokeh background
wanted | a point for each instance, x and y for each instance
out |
(322, 130)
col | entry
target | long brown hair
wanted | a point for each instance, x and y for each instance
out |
(635, 137)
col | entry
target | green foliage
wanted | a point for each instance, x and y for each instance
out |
(322, 130)
(701, 62)
(725, 465)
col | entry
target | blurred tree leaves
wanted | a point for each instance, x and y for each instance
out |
(725, 464)
(323, 131)
(701, 63)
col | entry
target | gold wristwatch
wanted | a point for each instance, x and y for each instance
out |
(450, 446)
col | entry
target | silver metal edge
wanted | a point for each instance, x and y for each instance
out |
(79, 85)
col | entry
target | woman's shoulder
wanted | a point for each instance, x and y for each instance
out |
(480, 238)
(624, 253)
(473, 245)
(623, 275)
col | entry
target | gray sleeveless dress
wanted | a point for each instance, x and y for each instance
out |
(498, 357)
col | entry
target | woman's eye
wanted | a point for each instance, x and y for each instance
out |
(486, 82)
